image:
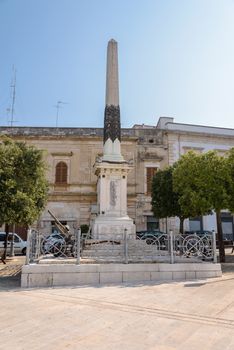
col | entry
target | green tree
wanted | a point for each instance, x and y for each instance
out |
(23, 185)
(230, 170)
(202, 183)
(165, 201)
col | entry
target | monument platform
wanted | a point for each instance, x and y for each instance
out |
(53, 275)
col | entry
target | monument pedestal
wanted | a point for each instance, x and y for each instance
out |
(105, 226)
(112, 199)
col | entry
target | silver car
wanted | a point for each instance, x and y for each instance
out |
(20, 245)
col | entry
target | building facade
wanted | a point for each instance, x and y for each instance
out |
(70, 154)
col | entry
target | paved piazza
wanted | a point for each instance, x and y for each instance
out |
(175, 315)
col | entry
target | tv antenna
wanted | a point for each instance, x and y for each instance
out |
(58, 106)
(11, 109)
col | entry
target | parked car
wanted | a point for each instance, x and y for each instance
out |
(152, 237)
(199, 233)
(145, 234)
(20, 245)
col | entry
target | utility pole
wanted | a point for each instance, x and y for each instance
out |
(58, 106)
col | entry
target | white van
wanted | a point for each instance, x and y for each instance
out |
(20, 246)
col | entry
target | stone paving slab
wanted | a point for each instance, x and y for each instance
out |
(162, 316)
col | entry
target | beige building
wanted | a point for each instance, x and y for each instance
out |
(71, 153)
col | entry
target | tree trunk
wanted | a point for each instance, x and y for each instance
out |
(182, 225)
(5, 243)
(220, 237)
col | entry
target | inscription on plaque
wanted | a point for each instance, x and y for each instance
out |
(113, 195)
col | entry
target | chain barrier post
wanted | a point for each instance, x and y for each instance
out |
(125, 246)
(28, 246)
(214, 246)
(171, 247)
(78, 236)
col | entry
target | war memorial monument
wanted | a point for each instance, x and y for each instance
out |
(112, 253)
(111, 169)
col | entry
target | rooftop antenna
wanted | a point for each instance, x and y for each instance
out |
(11, 110)
(7, 114)
(58, 106)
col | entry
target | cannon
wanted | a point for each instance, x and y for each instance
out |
(63, 229)
(59, 244)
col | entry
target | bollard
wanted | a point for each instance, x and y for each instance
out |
(171, 247)
(28, 246)
(125, 246)
(214, 247)
(78, 236)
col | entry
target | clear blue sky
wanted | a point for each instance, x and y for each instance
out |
(176, 58)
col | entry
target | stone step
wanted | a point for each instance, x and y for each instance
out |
(103, 247)
(138, 250)
(103, 260)
(98, 254)
(130, 259)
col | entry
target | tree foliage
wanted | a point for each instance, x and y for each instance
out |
(202, 183)
(165, 201)
(23, 185)
(230, 173)
(196, 185)
(169, 201)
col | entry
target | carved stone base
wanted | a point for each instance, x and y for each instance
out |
(107, 226)
(112, 200)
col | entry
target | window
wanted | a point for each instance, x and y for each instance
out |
(61, 173)
(195, 224)
(227, 226)
(150, 172)
(152, 223)
(16, 238)
(54, 228)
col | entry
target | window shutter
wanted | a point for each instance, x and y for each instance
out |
(61, 173)
(150, 172)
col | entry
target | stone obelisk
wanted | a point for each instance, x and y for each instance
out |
(112, 128)
(112, 169)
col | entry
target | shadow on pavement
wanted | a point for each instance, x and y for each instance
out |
(10, 273)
